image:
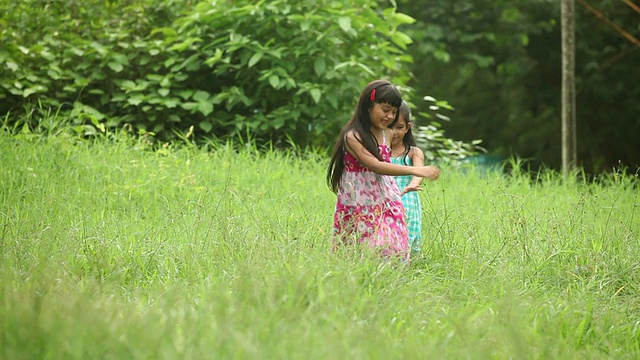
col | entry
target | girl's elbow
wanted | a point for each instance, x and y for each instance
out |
(375, 167)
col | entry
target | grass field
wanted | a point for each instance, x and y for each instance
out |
(111, 250)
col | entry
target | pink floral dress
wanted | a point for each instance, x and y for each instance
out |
(369, 209)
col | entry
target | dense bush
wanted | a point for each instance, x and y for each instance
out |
(275, 71)
(81, 58)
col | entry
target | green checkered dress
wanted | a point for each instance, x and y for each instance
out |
(411, 203)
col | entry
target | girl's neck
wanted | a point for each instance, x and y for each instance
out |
(397, 150)
(377, 133)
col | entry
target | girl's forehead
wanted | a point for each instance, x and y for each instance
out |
(402, 120)
(385, 103)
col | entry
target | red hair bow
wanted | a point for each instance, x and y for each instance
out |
(373, 95)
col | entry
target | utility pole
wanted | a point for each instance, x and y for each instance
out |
(569, 157)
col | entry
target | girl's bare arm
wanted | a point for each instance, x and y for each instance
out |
(372, 163)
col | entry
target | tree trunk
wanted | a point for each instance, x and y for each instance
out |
(569, 157)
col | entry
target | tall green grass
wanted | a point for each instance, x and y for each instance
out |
(110, 249)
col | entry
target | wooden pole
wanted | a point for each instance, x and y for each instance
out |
(569, 157)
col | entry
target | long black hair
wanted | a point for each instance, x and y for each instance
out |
(377, 91)
(408, 140)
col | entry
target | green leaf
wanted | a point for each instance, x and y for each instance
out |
(366, 68)
(255, 58)
(164, 92)
(319, 66)
(332, 98)
(444, 104)
(33, 90)
(99, 48)
(77, 52)
(120, 58)
(274, 80)
(136, 99)
(443, 117)
(344, 23)
(511, 14)
(185, 94)
(158, 127)
(276, 53)
(115, 98)
(403, 18)
(190, 106)
(115, 66)
(12, 66)
(166, 31)
(166, 82)
(401, 39)
(316, 94)
(215, 58)
(155, 77)
(205, 107)
(54, 74)
(28, 91)
(206, 126)
(201, 96)
(171, 102)
(185, 44)
(442, 55)
(127, 85)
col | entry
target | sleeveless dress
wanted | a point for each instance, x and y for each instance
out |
(411, 202)
(369, 210)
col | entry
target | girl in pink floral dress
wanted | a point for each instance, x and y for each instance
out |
(368, 209)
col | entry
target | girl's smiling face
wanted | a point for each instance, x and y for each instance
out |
(400, 129)
(381, 115)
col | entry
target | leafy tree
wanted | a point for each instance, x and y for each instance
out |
(499, 63)
(606, 89)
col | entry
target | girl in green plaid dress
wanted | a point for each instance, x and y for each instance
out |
(405, 152)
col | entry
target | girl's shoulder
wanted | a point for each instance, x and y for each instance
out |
(415, 151)
(352, 135)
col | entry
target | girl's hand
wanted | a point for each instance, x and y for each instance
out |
(428, 172)
(410, 188)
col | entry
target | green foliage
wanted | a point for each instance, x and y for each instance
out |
(278, 72)
(430, 137)
(87, 58)
(473, 53)
(499, 62)
(277, 68)
(274, 69)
